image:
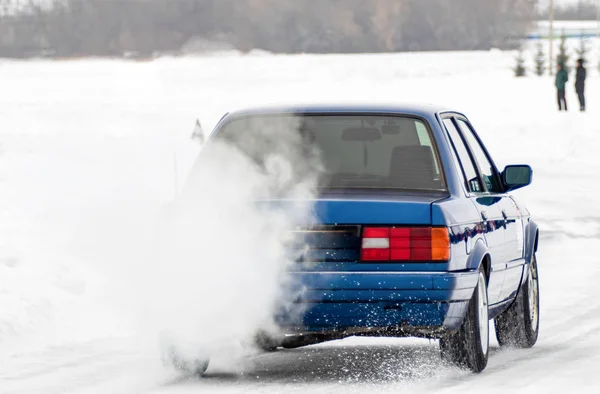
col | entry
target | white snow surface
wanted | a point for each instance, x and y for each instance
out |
(92, 150)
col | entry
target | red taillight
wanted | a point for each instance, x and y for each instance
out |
(405, 244)
(375, 254)
(376, 232)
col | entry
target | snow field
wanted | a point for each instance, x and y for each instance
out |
(91, 151)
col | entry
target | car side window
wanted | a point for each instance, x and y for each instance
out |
(488, 171)
(463, 158)
(425, 140)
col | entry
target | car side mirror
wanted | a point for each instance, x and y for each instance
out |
(516, 176)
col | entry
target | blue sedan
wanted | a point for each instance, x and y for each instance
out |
(417, 233)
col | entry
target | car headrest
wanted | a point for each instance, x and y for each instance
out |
(404, 127)
(413, 165)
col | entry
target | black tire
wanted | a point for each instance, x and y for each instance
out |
(173, 355)
(266, 342)
(297, 341)
(519, 325)
(196, 366)
(469, 346)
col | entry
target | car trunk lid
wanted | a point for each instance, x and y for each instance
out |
(335, 232)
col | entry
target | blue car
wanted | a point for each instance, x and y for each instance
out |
(417, 233)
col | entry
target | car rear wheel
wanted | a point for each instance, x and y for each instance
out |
(518, 326)
(469, 346)
(185, 358)
(267, 342)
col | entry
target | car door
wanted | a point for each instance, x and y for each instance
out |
(515, 247)
(487, 204)
(511, 216)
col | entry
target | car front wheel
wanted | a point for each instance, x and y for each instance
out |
(518, 326)
(469, 346)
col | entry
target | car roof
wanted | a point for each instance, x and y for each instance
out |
(421, 110)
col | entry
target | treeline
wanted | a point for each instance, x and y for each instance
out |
(145, 27)
(583, 10)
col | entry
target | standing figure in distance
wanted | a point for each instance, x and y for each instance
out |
(561, 79)
(580, 83)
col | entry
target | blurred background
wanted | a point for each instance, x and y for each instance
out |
(146, 28)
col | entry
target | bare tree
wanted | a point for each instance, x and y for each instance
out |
(143, 27)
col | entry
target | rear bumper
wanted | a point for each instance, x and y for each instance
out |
(404, 301)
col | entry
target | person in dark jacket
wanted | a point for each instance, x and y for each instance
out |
(561, 79)
(580, 83)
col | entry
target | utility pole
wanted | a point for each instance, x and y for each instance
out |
(551, 36)
(598, 17)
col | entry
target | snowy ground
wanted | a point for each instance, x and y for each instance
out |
(90, 151)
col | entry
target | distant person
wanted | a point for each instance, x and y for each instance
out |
(561, 79)
(580, 83)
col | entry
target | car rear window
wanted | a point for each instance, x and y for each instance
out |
(355, 151)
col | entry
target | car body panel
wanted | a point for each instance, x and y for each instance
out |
(415, 210)
(388, 280)
(399, 316)
(337, 292)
